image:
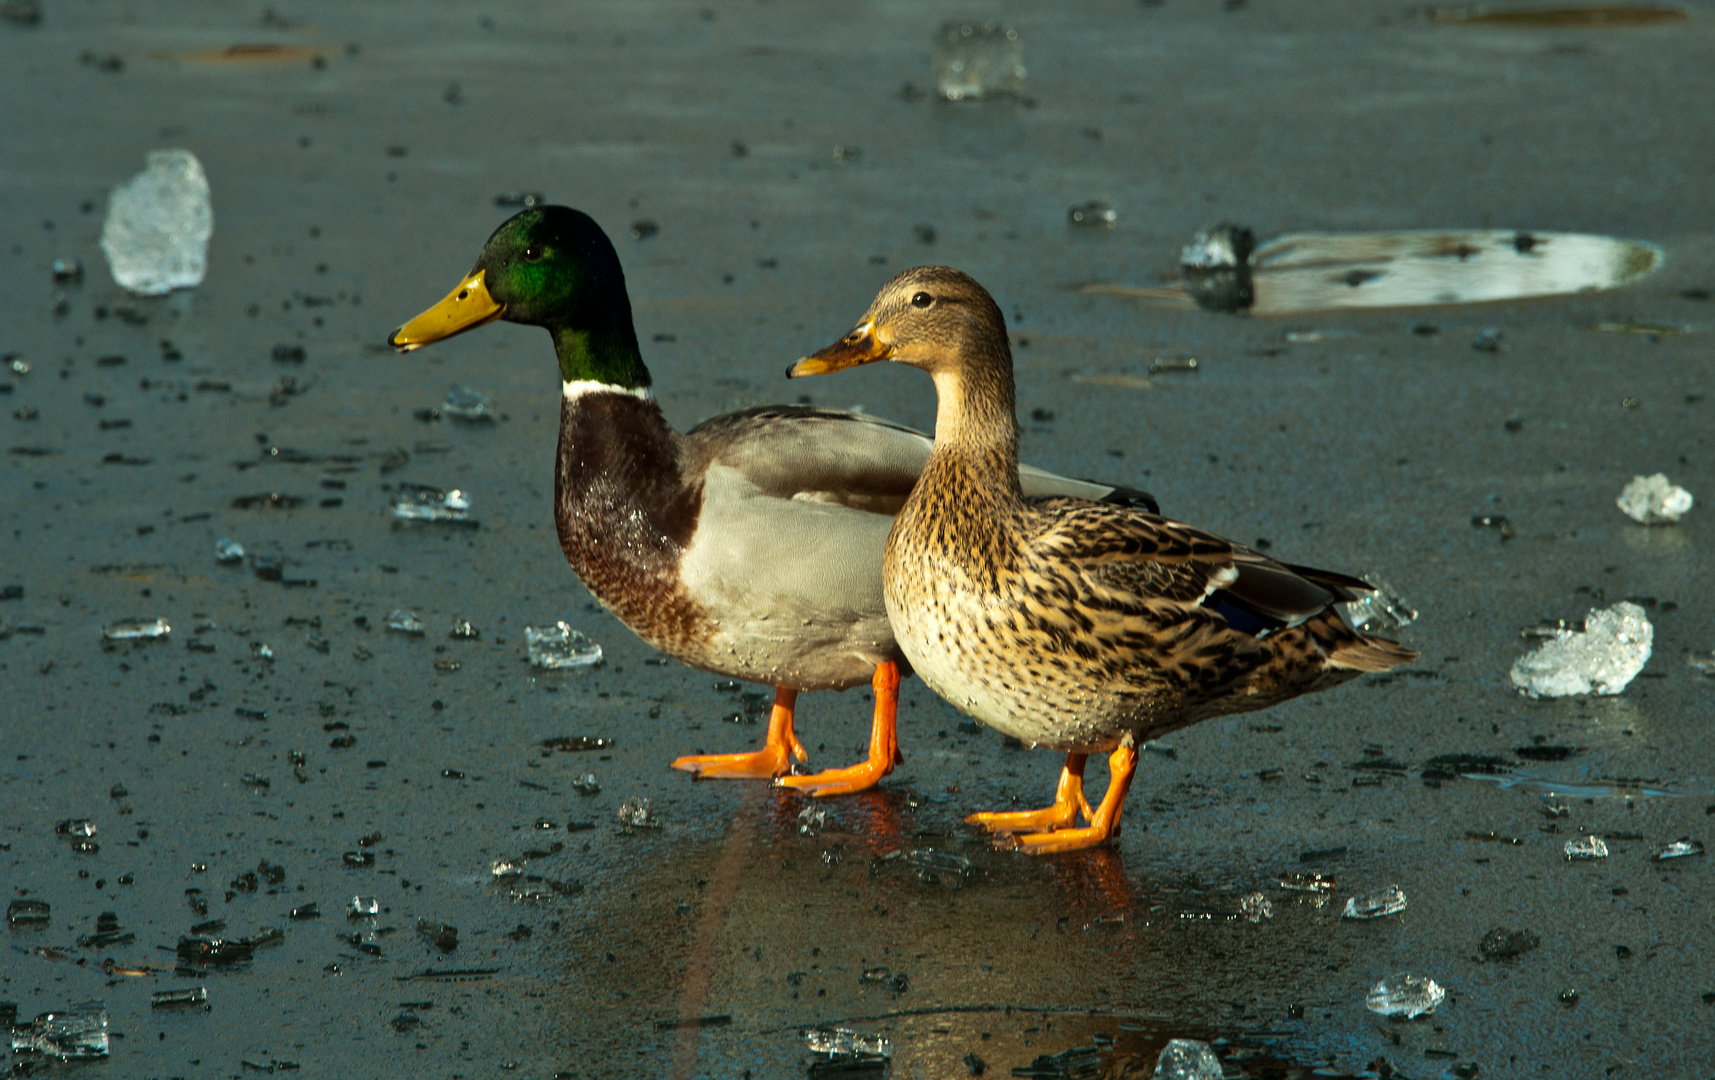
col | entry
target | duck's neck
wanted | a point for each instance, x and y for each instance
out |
(602, 352)
(976, 430)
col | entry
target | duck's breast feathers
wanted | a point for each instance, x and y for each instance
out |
(815, 455)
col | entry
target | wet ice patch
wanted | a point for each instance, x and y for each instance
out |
(1653, 500)
(1603, 659)
(158, 226)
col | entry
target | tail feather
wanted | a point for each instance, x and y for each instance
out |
(1370, 654)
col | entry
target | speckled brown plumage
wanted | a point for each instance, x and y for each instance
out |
(1063, 622)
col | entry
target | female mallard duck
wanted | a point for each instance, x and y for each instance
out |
(1069, 623)
(749, 546)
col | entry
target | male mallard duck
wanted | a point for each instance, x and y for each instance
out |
(1069, 623)
(749, 546)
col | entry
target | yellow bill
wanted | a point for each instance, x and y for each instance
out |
(861, 346)
(465, 307)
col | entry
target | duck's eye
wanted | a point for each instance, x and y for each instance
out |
(922, 299)
(533, 252)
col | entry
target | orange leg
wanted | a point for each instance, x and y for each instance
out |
(883, 746)
(772, 760)
(1068, 800)
(1104, 823)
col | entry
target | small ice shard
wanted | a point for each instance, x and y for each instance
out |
(1585, 848)
(261, 650)
(1610, 652)
(638, 812)
(158, 225)
(28, 913)
(418, 503)
(1216, 267)
(136, 629)
(75, 827)
(1094, 214)
(228, 551)
(1384, 609)
(464, 403)
(166, 999)
(1405, 995)
(1653, 500)
(559, 646)
(978, 60)
(75, 1034)
(1187, 1059)
(405, 622)
(1679, 849)
(465, 630)
(1704, 663)
(586, 784)
(847, 1046)
(1388, 901)
(812, 820)
(506, 868)
(363, 907)
(1255, 907)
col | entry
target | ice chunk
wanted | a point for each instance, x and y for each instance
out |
(1584, 848)
(812, 820)
(228, 551)
(1679, 849)
(158, 225)
(363, 907)
(406, 622)
(1187, 1059)
(136, 629)
(1388, 901)
(1704, 663)
(940, 867)
(166, 999)
(415, 502)
(464, 403)
(1610, 652)
(559, 646)
(28, 913)
(1216, 267)
(586, 784)
(844, 1044)
(1405, 995)
(75, 1034)
(1094, 214)
(1653, 500)
(977, 60)
(1384, 609)
(1255, 907)
(638, 812)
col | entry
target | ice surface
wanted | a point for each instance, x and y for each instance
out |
(1405, 995)
(75, 1034)
(1383, 609)
(1187, 1059)
(1653, 500)
(1388, 901)
(1586, 847)
(418, 503)
(464, 403)
(136, 629)
(559, 646)
(228, 551)
(976, 60)
(158, 225)
(845, 1043)
(1255, 907)
(1610, 652)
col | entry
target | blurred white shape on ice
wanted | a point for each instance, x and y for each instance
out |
(1653, 500)
(1612, 649)
(158, 225)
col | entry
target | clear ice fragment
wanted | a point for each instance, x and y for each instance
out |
(1255, 907)
(418, 503)
(75, 827)
(1388, 901)
(812, 820)
(1405, 995)
(228, 551)
(506, 868)
(465, 404)
(940, 867)
(1187, 1059)
(638, 812)
(559, 646)
(1216, 267)
(405, 622)
(462, 628)
(977, 60)
(28, 913)
(1653, 500)
(586, 784)
(75, 1034)
(158, 225)
(136, 629)
(1585, 848)
(1094, 214)
(1679, 849)
(166, 999)
(1610, 652)
(844, 1043)
(1383, 609)
(363, 907)
(1704, 663)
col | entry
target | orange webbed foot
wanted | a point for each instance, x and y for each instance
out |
(883, 746)
(774, 759)
(1104, 823)
(1068, 802)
